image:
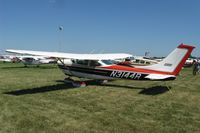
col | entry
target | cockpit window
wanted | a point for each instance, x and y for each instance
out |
(89, 63)
(108, 62)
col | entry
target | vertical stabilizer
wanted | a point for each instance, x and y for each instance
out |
(174, 62)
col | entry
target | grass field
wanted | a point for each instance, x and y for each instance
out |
(35, 100)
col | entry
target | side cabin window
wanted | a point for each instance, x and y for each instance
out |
(142, 62)
(88, 63)
(82, 62)
(137, 61)
(28, 59)
(148, 63)
(94, 63)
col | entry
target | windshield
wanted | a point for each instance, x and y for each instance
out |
(108, 62)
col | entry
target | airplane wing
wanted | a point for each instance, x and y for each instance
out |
(111, 56)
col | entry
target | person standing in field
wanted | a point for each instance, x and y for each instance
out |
(195, 64)
(198, 66)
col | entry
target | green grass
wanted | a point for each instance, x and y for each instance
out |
(35, 100)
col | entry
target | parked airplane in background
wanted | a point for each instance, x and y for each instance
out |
(189, 62)
(101, 67)
(9, 58)
(137, 61)
(143, 61)
(36, 60)
(3, 58)
(27, 59)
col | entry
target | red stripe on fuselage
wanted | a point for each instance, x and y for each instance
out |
(132, 69)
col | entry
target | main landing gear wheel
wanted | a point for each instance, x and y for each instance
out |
(75, 83)
(79, 84)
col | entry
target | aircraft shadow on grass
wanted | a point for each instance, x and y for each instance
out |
(156, 90)
(40, 89)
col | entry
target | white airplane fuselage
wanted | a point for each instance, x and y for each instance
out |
(104, 71)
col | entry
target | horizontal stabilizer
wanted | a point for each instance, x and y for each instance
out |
(160, 77)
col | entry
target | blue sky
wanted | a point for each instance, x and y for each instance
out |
(130, 26)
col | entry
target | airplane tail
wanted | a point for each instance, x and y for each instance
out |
(174, 62)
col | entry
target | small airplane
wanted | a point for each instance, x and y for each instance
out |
(9, 58)
(137, 61)
(36, 60)
(101, 66)
(189, 62)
